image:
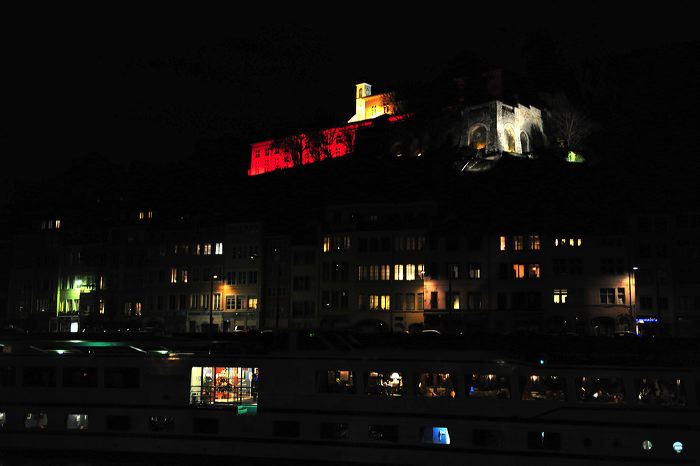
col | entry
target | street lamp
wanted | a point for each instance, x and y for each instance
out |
(211, 304)
(629, 283)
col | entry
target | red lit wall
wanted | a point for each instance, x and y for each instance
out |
(265, 156)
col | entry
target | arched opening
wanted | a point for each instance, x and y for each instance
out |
(524, 142)
(478, 137)
(509, 139)
(359, 93)
(603, 326)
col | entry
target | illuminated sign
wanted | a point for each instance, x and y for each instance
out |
(647, 320)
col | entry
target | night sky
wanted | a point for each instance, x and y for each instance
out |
(154, 85)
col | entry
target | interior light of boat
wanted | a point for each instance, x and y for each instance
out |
(678, 447)
(646, 445)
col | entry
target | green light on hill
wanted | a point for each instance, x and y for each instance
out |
(574, 157)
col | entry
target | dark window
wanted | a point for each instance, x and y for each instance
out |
(433, 300)
(8, 376)
(487, 438)
(285, 429)
(122, 377)
(544, 440)
(383, 432)
(118, 423)
(161, 424)
(205, 426)
(78, 377)
(38, 376)
(334, 431)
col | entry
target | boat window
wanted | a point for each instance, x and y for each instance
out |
(336, 381)
(285, 429)
(37, 421)
(205, 426)
(386, 433)
(225, 386)
(487, 438)
(488, 386)
(660, 392)
(600, 389)
(118, 422)
(544, 440)
(161, 424)
(387, 383)
(543, 387)
(2, 420)
(8, 376)
(80, 377)
(38, 376)
(122, 377)
(439, 384)
(335, 430)
(77, 422)
(435, 435)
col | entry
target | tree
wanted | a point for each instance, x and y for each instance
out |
(568, 126)
(323, 143)
(293, 148)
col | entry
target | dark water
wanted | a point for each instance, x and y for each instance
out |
(99, 459)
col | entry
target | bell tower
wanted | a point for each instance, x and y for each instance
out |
(362, 91)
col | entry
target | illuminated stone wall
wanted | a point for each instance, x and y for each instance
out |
(496, 126)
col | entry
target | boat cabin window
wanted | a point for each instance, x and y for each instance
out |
(8, 376)
(77, 422)
(439, 384)
(487, 438)
(38, 376)
(161, 424)
(79, 377)
(37, 421)
(335, 430)
(225, 386)
(335, 381)
(386, 383)
(543, 387)
(386, 433)
(600, 389)
(2, 420)
(435, 435)
(285, 429)
(660, 392)
(122, 377)
(541, 440)
(118, 423)
(488, 386)
(205, 426)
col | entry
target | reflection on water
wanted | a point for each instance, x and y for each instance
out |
(86, 459)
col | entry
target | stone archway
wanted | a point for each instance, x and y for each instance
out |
(509, 139)
(478, 137)
(524, 142)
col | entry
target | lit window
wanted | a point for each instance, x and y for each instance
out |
(225, 386)
(36, 421)
(386, 272)
(374, 272)
(57, 224)
(149, 214)
(219, 249)
(533, 271)
(620, 296)
(2, 420)
(398, 272)
(435, 435)
(137, 308)
(252, 302)
(502, 240)
(183, 275)
(518, 270)
(578, 242)
(198, 249)
(385, 302)
(410, 272)
(560, 296)
(207, 249)
(533, 242)
(173, 275)
(455, 300)
(474, 270)
(678, 447)
(646, 445)
(518, 243)
(373, 302)
(142, 215)
(326, 243)
(77, 422)
(384, 383)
